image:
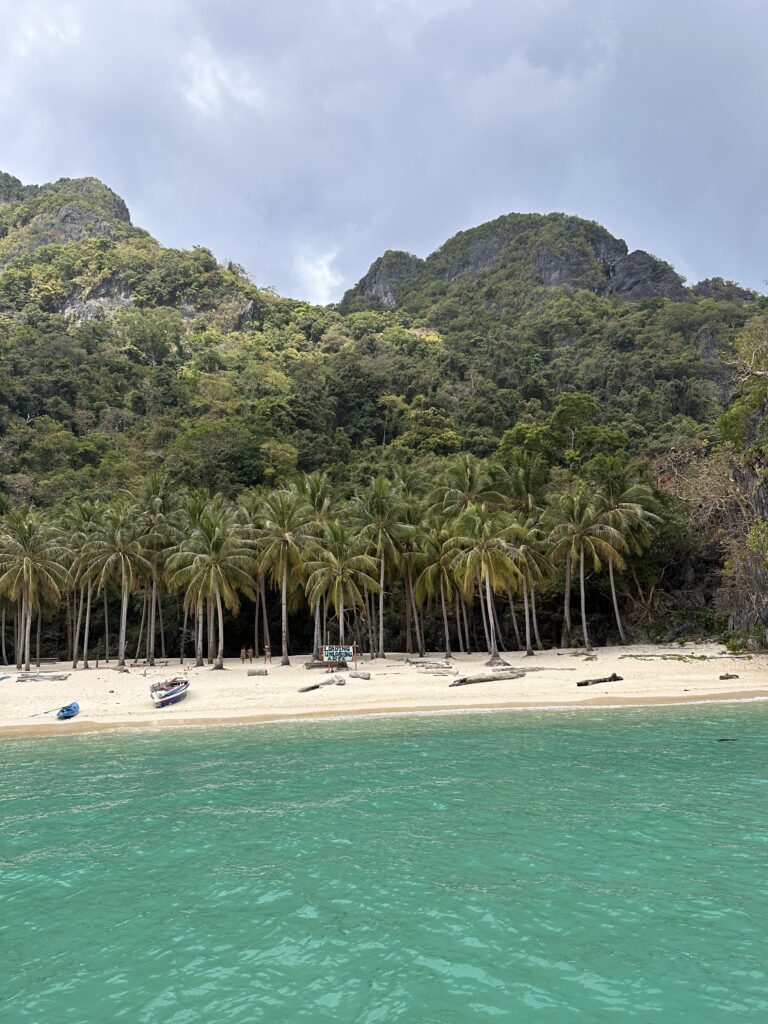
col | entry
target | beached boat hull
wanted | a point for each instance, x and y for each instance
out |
(68, 711)
(171, 692)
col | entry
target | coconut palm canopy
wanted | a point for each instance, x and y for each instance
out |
(397, 563)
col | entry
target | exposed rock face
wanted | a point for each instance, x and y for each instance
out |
(388, 276)
(551, 268)
(110, 294)
(640, 276)
(481, 252)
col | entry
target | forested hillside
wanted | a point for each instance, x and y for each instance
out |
(537, 343)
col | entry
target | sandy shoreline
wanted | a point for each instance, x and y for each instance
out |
(110, 700)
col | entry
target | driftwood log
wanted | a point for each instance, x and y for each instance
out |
(728, 675)
(257, 672)
(488, 677)
(429, 662)
(312, 686)
(330, 665)
(612, 678)
(359, 675)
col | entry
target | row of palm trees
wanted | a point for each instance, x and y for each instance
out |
(480, 535)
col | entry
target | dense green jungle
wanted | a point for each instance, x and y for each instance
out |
(463, 447)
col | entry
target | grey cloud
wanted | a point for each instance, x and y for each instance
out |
(301, 139)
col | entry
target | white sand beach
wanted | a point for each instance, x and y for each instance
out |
(110, 699)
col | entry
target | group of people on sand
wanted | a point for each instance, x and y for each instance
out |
(246, 655)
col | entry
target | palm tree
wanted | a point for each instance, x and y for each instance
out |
(80, 520)
(155, 507)
(115, 554)
(339, 570)
(436, 576)
(532, 567)
(33, 567)
(377, 513)
(583, 529)
(215, 562)
(485, 552)
(284, 532)
(465, 482)
(629, 512)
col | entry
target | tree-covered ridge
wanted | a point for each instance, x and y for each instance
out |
(533, 340)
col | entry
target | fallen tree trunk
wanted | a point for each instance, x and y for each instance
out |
(612, 678)
(488, 677)
(428, 663)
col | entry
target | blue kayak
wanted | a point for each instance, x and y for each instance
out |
(69, 710)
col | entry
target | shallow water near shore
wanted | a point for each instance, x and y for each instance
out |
(590, 866)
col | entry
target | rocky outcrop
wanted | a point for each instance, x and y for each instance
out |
(553, 250)
(110, 294)
(481, 252)
(641, 276)
(551, 268)
(388, 277)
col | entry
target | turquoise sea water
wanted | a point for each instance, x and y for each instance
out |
(550, 867)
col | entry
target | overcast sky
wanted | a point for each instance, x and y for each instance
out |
(302, 138)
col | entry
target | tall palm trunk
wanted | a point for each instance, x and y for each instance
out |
(535, 619)
(76, 651)
(316, 645)
(565, 639)
(583, 602)
(37, 639)
(161, 623)
(448, 652)
(493, 649)
(2, 628)
(369, 605)
(380, 653)
(151, 628)
(123, 626)
(284, 612)
(19, 634)
(220, 611)
(483, 614)
(457, 616)
(499, 634)
(27, 635)
(341, 618)
(514, 619)
(183, 637)
(199, 619)
(466, 624)
(408, 615)
(106, 628)
(419, 633)
(143, 619)
(264, 618)
(70, 627)
(615, 602)
(87, 627)
(256, 604)
(209, 619)
(527, 614)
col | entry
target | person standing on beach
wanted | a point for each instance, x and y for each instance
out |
(242, 655)
(250, 655)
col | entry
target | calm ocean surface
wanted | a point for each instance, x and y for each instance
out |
(569, 866)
